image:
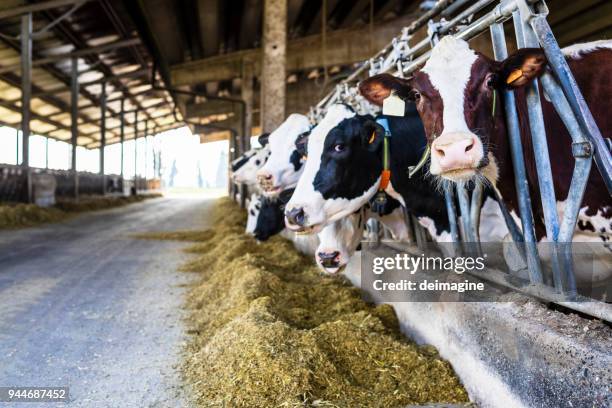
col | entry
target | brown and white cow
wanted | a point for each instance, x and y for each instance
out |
(454, 94)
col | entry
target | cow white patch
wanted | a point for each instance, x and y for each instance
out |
(492, 224)
(282, 144)
(319, 211)
(394, 194)
(449, 68)
(602, 225)
(342, 236)
(247, 173)
(576, 51)
(253, 213)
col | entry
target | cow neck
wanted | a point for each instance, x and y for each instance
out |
(420, 195)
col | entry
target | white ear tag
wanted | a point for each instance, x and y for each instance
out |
(393, 105)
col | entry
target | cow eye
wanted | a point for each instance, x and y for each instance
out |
(252, 212)
(339, 147)
(257, 162)
(490, 80)
(416, 94)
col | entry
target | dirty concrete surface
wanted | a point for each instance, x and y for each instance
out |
(84, 305)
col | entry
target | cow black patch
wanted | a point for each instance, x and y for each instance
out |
(349, 164)
(296, 160)
(271, 217)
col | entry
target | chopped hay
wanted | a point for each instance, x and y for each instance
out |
(270, 331)
(17, 215)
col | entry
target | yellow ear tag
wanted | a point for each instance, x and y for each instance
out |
(514, 75)
(372, 137)
(393, 105)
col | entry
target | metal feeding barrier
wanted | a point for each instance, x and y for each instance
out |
(531, 29)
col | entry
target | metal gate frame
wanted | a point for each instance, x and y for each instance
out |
(531, 30)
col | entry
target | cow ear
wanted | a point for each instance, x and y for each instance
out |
(263, 139)
(372, 135)
(522, 67)
(378, 87)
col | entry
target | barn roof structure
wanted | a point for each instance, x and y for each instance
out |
(175, 61)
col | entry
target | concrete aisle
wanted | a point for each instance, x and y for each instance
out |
(84, 305)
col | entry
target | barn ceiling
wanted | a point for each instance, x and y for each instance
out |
(197, 46)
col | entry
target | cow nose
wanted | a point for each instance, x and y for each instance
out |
(295, 216)
(455, 153)
(329, 259)
(265, 180)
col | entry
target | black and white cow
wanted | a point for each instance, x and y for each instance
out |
(284, 165)
(344, 166)
(270, 220)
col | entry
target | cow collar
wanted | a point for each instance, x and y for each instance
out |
(385, 175)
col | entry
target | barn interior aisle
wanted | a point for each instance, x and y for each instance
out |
(84, 303)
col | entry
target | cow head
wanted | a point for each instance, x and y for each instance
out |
(283, 168)
(270, 220)
(454, 93)
(338, 241)
(253, 213)
(244, 168)
(342, 171)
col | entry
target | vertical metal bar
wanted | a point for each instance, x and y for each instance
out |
(538, 137)
(452, 216)
(146, 134)
(46, 153)
(556, 59)
(475, 208)
(464, 206)
(135, 151)
(26, 97)
(518, 163)
(526, 38)
(74, 127)
(17, 147)
(103, 135)
(122, 133)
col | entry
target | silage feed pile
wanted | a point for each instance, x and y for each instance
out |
(17, 215)
(270, 331)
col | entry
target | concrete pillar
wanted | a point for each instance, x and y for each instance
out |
(26, 98)
(26, 85)
(274, 64)
(122, 132)
(135, 151)
(146, 134)
(247, 97)
(103, 135)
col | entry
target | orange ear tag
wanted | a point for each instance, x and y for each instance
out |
(514, 75)
(372, 137)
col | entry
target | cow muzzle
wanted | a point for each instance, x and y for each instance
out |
(265, 181)
(330, 261)
(295, 218)
(456, 156)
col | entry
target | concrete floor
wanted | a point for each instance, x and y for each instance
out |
(84, 305)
